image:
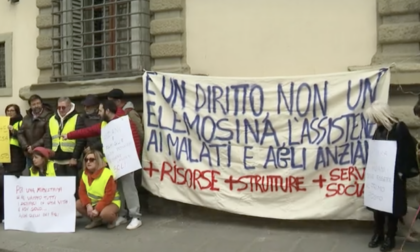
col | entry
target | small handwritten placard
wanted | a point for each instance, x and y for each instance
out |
(4, 139)
(119, 148)
(380, 170)
(40, 204)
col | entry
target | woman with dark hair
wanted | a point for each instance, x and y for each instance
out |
(17, 157)
(42, 166)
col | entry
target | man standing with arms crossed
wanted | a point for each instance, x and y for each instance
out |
(109, 111)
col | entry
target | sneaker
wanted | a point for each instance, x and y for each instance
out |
(120, 220)
(95, 223)
(134, 223)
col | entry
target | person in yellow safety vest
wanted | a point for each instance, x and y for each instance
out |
(17, 157)
(99, 198)
(42, 166)
(67, 152)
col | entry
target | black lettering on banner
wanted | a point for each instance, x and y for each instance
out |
(291, 127)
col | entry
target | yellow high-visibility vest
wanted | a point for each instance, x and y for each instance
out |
(65, 145)
(13, 140)
(96, 190)
(103, 124)
(49, 173)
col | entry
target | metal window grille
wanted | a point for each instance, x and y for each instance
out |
(2, 64)
(99, 38)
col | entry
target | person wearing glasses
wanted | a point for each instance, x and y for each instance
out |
(67, 152)
(98, 196)
(17, 157)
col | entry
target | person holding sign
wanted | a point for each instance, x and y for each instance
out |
(389, 128)
(109, 111)
(17, 158)
(99, 199)
(42, 166)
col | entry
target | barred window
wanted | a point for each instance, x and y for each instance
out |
(100, 39)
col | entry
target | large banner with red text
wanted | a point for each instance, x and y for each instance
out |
(277, 147)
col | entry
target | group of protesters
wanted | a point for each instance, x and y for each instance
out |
(52, 143)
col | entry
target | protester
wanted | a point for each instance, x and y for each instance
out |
(34, 126)
(17, 157)
(389, 128)
(67, 152)
(42, 165)
(416, 110)
(109, 111)
(117, 96)
(90, 118)
(1, 196)
(99, 199)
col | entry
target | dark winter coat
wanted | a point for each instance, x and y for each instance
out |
(405, 160)
(94, 143)
(78, 149)
(33, 131)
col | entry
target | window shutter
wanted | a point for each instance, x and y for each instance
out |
(73, 39)
(77, 36)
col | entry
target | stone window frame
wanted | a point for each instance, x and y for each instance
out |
(139, 42)
(7, 38)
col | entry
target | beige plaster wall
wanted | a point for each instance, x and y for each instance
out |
(279, 37)
(19, 18)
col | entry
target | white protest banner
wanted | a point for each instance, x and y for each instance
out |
(276, 147)
(119, 147)
(40, 204)
(379, 181)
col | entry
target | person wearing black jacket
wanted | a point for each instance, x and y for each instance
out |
(67, 153)
(389, 128)
(89, 118)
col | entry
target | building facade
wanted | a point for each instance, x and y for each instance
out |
(73, 48)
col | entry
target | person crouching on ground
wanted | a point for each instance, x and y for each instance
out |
(98, 196)
(42, 166)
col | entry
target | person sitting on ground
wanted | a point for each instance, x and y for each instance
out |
(42, 166)
(98, 196)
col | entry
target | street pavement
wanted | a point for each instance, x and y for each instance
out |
(190, 234)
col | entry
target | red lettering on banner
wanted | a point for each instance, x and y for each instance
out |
(340, 178)
(258, 183)
(193, 178)
(347, 174)
(355, 189)
(341, 181)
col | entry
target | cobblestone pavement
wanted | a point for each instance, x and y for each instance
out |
(160, 234)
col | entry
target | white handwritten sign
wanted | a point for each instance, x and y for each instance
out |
(40, 204)
(119, 148)
(379, 181)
